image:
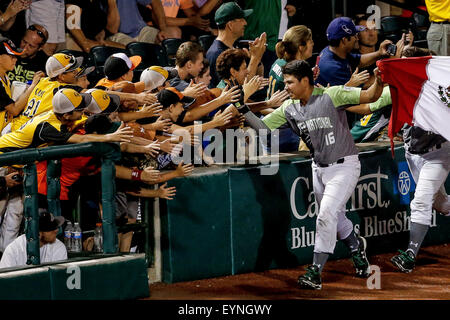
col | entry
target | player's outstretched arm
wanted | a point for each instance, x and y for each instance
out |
(373, 92)
(122, 134)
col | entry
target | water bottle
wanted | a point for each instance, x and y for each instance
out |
(76, 238)
(98, 238)
(68, 236)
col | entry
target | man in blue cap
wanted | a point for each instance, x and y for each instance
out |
(337, 63)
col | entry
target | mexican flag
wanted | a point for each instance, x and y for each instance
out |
(420, 92)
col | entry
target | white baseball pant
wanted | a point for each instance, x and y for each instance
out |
(429, 171)
(333, 186)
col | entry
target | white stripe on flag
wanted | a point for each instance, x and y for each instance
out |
(430, 112)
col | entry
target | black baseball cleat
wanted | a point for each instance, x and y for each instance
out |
(359, 259)
(405, 261)
(311, 279)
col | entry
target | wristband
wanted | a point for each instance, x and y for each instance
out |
(243, 109)
(136, 174)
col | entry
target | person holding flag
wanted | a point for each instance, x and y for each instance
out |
(420, 93)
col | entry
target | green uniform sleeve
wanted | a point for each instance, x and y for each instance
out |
(277, 118)
(343, 96)
(383, 101)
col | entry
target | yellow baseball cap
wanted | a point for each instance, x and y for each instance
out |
(102, 102)
(155, 76)
(67, 100)
(60, 63)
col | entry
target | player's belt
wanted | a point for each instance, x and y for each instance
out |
(441, 22)
(324, 165)
(436, 147)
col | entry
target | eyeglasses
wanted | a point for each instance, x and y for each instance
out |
(39, 32)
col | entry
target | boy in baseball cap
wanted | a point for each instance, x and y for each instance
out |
(119, 67)
(157, 78)
(9, 107)
(174, 104)
(53, 126)
(60, 63)
(81, 76)
(102, 102)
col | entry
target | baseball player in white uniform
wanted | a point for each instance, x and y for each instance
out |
(428, 157)
(318, 116)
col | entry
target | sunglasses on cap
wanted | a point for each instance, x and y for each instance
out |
(39, 32)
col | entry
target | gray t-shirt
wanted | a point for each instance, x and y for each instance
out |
(321, 123)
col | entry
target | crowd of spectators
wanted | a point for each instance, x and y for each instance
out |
(49, 97)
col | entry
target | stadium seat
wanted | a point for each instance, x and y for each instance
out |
(99, 54)
(206, 41)
(152, 54)
(392, 27)
(421, 24)
(171, 46)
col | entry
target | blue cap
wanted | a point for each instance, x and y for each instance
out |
(340, 28)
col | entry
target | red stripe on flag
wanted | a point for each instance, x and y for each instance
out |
(405, 78)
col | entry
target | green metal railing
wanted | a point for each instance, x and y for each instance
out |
(28, 157)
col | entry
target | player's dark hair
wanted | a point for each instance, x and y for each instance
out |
(299, 69)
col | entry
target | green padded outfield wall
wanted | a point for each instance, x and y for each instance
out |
(236, 220)
(195, 237)
(107, 278)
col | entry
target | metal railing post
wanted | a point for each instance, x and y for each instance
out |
(54, 186)
(110, 240)
(31, 213)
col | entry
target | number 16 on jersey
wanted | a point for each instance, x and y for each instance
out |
(329, 139)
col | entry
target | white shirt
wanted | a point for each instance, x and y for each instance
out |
(284, 20)
(16, 253)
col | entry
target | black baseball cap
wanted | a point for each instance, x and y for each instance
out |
(119, 64)
(8, 47)
(48, 222)
(171, 95)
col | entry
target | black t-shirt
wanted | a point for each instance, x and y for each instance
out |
(217, 47)
(48, 133)
(5, 100)
(26, 68)
(93, 16)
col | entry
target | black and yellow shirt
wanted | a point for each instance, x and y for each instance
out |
(40, 100)
(5, 100)
(37, 132)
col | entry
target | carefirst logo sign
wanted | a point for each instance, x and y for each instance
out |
(367, 195)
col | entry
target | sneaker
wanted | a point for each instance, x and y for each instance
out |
(405, 261)
(359, 259)
(311, 279)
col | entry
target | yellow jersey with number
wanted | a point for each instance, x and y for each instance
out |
(37, 132)
(39, 102)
